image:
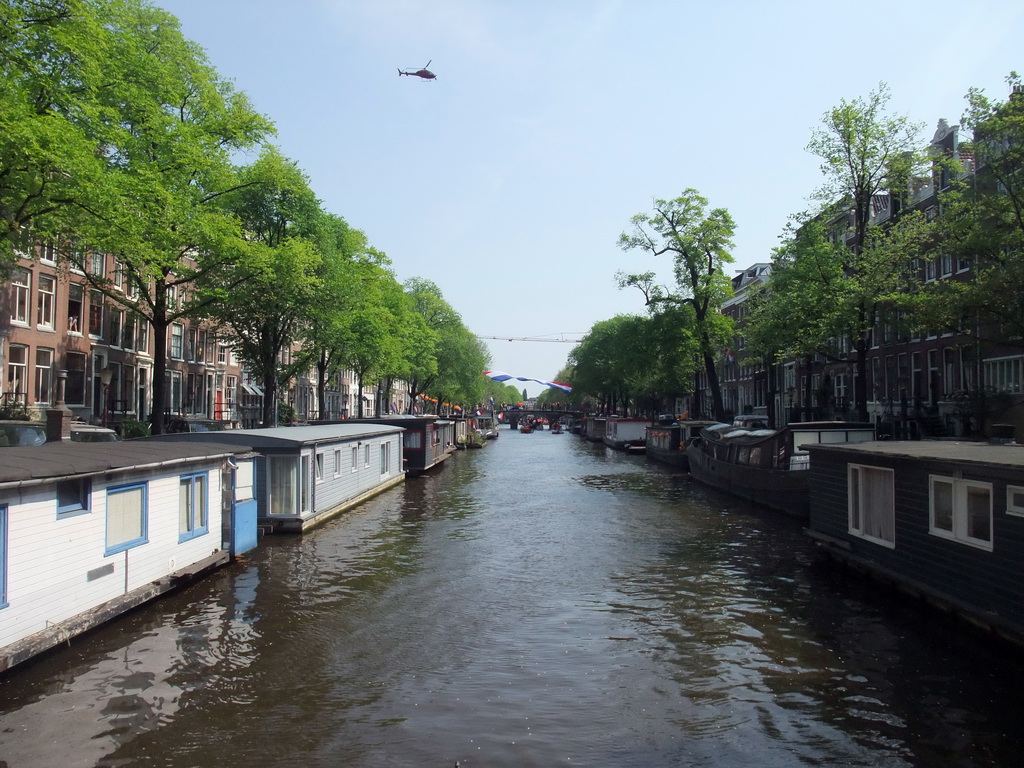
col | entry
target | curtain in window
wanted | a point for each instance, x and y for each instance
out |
(125, 515)
(283, 485)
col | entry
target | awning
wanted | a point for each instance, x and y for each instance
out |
(252, 389)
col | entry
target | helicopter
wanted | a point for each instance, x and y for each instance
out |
(425, 73)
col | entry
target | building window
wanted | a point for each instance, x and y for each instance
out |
(76, 303)
(127, 521)
(17, 369)
(193, 501)
(97, 263)
(44, 305)
(871, 504)
(177, 341)
(1004, 374)
(116, 334)
(961, 510)
(44, 375)
(21, 285)
(96, 314)
(385, 458)
(73, 497)
(142, 346)
(128, 332)
(319, 467)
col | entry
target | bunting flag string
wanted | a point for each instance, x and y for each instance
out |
(502, 376)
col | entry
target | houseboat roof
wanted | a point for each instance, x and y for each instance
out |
(1004, 454)
(66, 459)
(284, 437)
(401, 418)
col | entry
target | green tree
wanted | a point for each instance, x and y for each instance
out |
(171, 126)
(263, 302)
(864, 151)
(55, 80)
(982, 223)
(699, 241)
(348, 265)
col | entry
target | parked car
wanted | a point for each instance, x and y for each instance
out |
(176, 425)
(22, 433)
(89, 433)
(31, 433)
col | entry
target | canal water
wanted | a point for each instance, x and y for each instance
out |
(541, 602)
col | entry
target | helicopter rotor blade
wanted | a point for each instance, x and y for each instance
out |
(428, 64)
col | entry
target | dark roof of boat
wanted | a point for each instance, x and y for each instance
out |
(63, 459)
(285, 437)
(1004, 454)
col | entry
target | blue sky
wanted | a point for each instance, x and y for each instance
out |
(508, 179)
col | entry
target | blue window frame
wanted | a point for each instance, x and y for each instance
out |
(73, 497)
(127, 517)
(3, 556)
(193, 506)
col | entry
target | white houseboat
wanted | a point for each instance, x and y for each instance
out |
(89, 531)
(306, 475)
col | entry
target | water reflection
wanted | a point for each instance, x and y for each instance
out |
(541, 601)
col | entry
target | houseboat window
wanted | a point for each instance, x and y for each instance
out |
(872, 509)
(73, 497)
(284, 485)
(306, 480)
(126, 517)
(961, 510)
(319, 467)
(743, 456)
(366, 455)
(413, 440)
(355, 458)
(193, 500)
(3, 556)
(1015, 500)
(385, 458)
(337, 462)
(755, 455)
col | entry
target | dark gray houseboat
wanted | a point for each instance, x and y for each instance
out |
(767, 466)
(941, 519)
(667, 439)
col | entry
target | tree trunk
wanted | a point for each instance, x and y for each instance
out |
(321, 385)
(159, 376)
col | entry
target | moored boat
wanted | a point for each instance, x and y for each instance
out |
(625, 433)
(766, 466)
(667, 439)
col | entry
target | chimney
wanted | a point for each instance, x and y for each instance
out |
(58, 418)
(1018, 92)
